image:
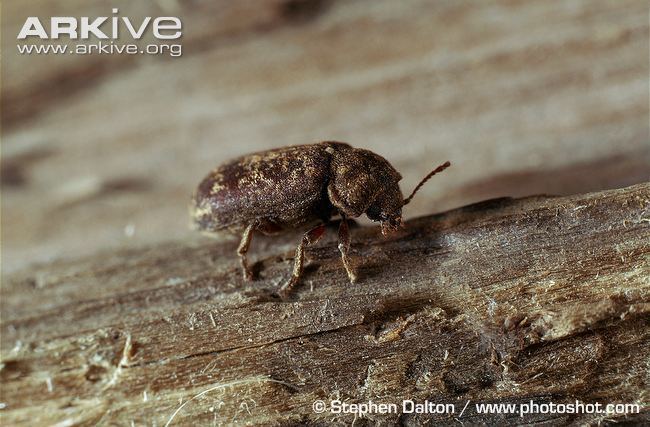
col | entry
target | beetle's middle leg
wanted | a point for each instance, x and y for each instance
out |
(344, 248)
(309, 238)
(244, 244)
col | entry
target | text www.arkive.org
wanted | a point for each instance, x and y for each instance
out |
(100, 48)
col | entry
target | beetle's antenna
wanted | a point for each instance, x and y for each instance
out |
(440, 168)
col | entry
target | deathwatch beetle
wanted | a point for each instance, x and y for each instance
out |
(300, 186)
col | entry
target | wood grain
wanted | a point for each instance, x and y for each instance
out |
(542, 298)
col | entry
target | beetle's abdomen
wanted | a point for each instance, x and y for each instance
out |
(285, 186)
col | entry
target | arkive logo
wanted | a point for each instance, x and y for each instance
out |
(103, 27)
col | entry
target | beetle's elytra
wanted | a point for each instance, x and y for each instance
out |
(301, 186)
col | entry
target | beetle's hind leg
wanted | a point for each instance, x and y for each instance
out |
(309, 238)
(344, 248)
(242, 250)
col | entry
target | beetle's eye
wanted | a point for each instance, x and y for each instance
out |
(373, 213)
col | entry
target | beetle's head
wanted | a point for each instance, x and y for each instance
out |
(387, 209)
(364, 182)
(387, 205)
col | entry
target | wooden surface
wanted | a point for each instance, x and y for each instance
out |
(505, 301)
(542, 297)
(524, 97)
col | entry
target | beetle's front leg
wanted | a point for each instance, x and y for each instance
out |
(309, 238)
(243, 249)
(344, 248)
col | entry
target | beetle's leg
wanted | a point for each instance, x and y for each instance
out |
(309, 238)
(344, 248)
(243, 249)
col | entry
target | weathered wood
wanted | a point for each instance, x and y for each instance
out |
(505, 301)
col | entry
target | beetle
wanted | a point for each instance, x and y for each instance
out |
(300, 187)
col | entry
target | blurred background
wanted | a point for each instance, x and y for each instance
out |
(524, 97)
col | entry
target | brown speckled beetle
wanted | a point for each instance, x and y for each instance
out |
(301, 186)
